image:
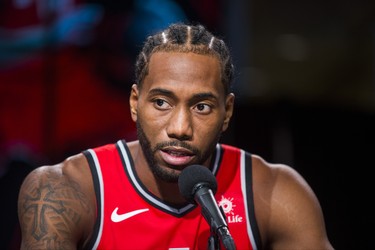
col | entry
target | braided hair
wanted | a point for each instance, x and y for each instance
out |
(185, 38)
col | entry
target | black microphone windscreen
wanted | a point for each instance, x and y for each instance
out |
(193, 175)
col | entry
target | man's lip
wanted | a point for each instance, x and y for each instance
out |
(177, 151)
(176, 155)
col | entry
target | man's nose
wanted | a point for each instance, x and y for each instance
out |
(180, 124)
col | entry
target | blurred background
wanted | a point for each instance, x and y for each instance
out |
(305, 90)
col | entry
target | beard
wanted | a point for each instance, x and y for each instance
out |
(169, 175)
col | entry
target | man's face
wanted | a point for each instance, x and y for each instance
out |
(181, 111)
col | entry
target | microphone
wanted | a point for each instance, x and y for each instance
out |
(198, 185)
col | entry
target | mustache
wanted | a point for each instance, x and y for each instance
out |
(181, 144)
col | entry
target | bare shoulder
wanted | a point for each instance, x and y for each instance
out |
(56, 205)
(288, 212)
(269, 175)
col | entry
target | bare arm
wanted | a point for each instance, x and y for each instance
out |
(293, 218)
(54, 209)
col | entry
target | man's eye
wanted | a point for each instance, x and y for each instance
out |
(203, 108)
(161, 104)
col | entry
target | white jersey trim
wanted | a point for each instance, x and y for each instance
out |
(243, 187)
(142, 191)
(101, 187)
(149, 197)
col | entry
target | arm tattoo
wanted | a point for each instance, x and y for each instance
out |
(50, 209)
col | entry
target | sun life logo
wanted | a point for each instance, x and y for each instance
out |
(228, 206)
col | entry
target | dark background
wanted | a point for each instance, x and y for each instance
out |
(305, 90)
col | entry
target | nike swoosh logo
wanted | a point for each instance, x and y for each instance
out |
(115, 217)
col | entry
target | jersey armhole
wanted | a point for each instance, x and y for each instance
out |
(250, 199)
(92, 244)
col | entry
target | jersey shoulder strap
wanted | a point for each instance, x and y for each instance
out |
(238, 162)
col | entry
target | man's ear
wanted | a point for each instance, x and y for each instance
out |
(133, 101)
(229, 104)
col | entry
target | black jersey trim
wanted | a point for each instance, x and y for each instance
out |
(216, 159)
(96, 182)
(250, 200)
(142, 190)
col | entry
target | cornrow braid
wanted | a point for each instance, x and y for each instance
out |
(185, 38)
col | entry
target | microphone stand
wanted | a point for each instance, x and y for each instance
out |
(214, 241)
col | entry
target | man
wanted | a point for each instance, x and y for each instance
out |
(126, 195)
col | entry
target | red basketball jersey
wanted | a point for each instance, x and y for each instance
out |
(130, 217)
